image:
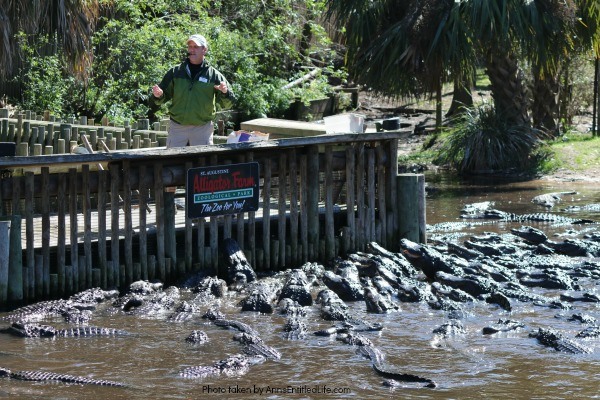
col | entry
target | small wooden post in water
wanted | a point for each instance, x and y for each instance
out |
(411, 207)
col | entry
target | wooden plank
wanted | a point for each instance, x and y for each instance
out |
(143, 233)
(86, 202)
(392, 195)
(240, 223)
(45, 200)
(115, 198)
(371, 202)
(160, 215)
(266, 222)
(201, 229)
(106, 275)
(303, 207)
(312, 201)
(360, 197)
(329, 223)
(128, 223)
(381, 195)
(251, 224)
(351, 198)
(30, 234)
(61, 250)
(294, 234)
(15, 268)
(214, 231)
(188, 256)
(282, 214)
(283, 128)
(4, 260)
(74, 229)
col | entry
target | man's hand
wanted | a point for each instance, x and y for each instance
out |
(157, 91)
(222, 87)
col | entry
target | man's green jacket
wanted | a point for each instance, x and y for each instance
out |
(193, 98)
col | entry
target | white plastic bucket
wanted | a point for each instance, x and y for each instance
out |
(344, 123)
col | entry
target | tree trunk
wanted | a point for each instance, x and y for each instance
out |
(462, 97)
(508, 90)
(545, 107)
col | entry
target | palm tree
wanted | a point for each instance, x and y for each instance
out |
(70, 22)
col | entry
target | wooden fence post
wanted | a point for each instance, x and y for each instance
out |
(411, 207)
(4, 260)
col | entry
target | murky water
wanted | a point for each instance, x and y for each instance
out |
(471, 365)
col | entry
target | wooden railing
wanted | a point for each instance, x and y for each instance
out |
(105, 219)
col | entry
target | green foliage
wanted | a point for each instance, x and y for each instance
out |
(47, 84)
(481, 140)
(256, 45)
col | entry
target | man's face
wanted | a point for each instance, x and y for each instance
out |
(195, 53)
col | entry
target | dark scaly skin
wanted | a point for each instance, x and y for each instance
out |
(45, 376)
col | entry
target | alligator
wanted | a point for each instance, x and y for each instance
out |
(500, 300)
(254, 346)
(235, 365)
(382, 285)
(378, 303)
(583, 318)
(450, 328)
(365, 347)
(585, 297)
(554, 339)
(295, 327)
(31, 329)
(297, 288)
(503, 325)
(554, 219)
(239, 270)
(549, 200)
(589, 332)
(208, 289)
(530, 234)
(197, 337)
(237, 325)
(46, 376)
(393, 378)
(261, 295)
(347, 284)
(428, 259)
(154, 304)
(473, 285)
(594, 207)
(395, 262)
(183, 312)
(332, 307)
(548, 279)
(450, 293)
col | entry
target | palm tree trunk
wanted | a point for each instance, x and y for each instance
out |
(508, 90)
(462, 97)
(545, 107)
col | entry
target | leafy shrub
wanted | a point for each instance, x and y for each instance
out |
(480, 140)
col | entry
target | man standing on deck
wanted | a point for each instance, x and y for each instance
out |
(194, 89)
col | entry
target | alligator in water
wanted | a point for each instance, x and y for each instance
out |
(297, 288)
(554, 219)
(31, 329)
(45, 376)
(378, 303)
(503, 325)
(393, 378)
(549, 200)
(235, 365)
(239, 270)
(197, 337)
(556, 340)
(255, 346)
(295, 325)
